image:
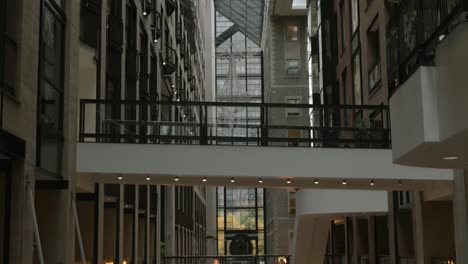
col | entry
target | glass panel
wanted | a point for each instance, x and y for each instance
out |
(51, 95)
(220, 218)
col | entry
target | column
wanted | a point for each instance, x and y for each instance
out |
(460, 208)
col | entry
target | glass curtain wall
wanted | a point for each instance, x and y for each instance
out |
(240, 214)
(238, 79)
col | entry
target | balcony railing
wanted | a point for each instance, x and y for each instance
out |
(247, 259)
(413, 33)
(383, 259)
(222, 123)
(335, 259)
(406, 260)
(169, 60)
(443, 260)
(171, 6)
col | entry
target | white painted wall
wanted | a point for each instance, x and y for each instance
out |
(428, 112)
(225, 161)
(412, 111)
(336, 202)
(452, 82)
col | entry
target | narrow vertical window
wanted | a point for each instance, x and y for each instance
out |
(292, 32)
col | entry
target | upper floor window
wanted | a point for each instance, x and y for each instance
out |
(293, 32)
(8, 46)
(90, 22)
(342, 28)
(354, 15)
(292, 68)
(50, 107)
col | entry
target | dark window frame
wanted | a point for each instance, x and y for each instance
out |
(59, 17)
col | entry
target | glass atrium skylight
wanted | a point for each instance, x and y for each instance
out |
(246, 16)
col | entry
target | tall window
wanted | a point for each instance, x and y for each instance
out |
(240, 213)
(373, 56)
(342, 27)
(237, 54)
(8, 47)
(354, 15)
(292, 32)
(50, 101)
(357, 87)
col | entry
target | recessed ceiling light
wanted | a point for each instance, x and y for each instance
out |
(164, 63)
(260, 180)
(316, 181)
(344, 182)
(232, 180)
(155, 40)
(144, 13)
(176, 179)
(148, 178)
(120, 177)
(204, 179)
(288, 181)
(372, 183)
(450, 158)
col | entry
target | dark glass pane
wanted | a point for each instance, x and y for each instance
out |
(50, 105)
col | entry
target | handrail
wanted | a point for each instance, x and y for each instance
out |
(231, 104)
(182, 122)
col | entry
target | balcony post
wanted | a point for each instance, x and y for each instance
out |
(203, 127)
(264, 126)
(460, 210)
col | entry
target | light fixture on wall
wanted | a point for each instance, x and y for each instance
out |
(450, 158)
(372, 183)
(204, 179)
(344, 182)
(233, 180)
(288, 181)
(316, 181)
(176, 179)
(260, 180)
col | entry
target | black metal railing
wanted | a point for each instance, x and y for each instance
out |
(171, 6)
(383, 259)
(169, 60)
(406, 260)
(335, 259)
(242, 259)
(179, 32)
(443, 260)
(222, 123)
(413, 33)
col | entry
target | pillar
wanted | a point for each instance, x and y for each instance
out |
(460, 210)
